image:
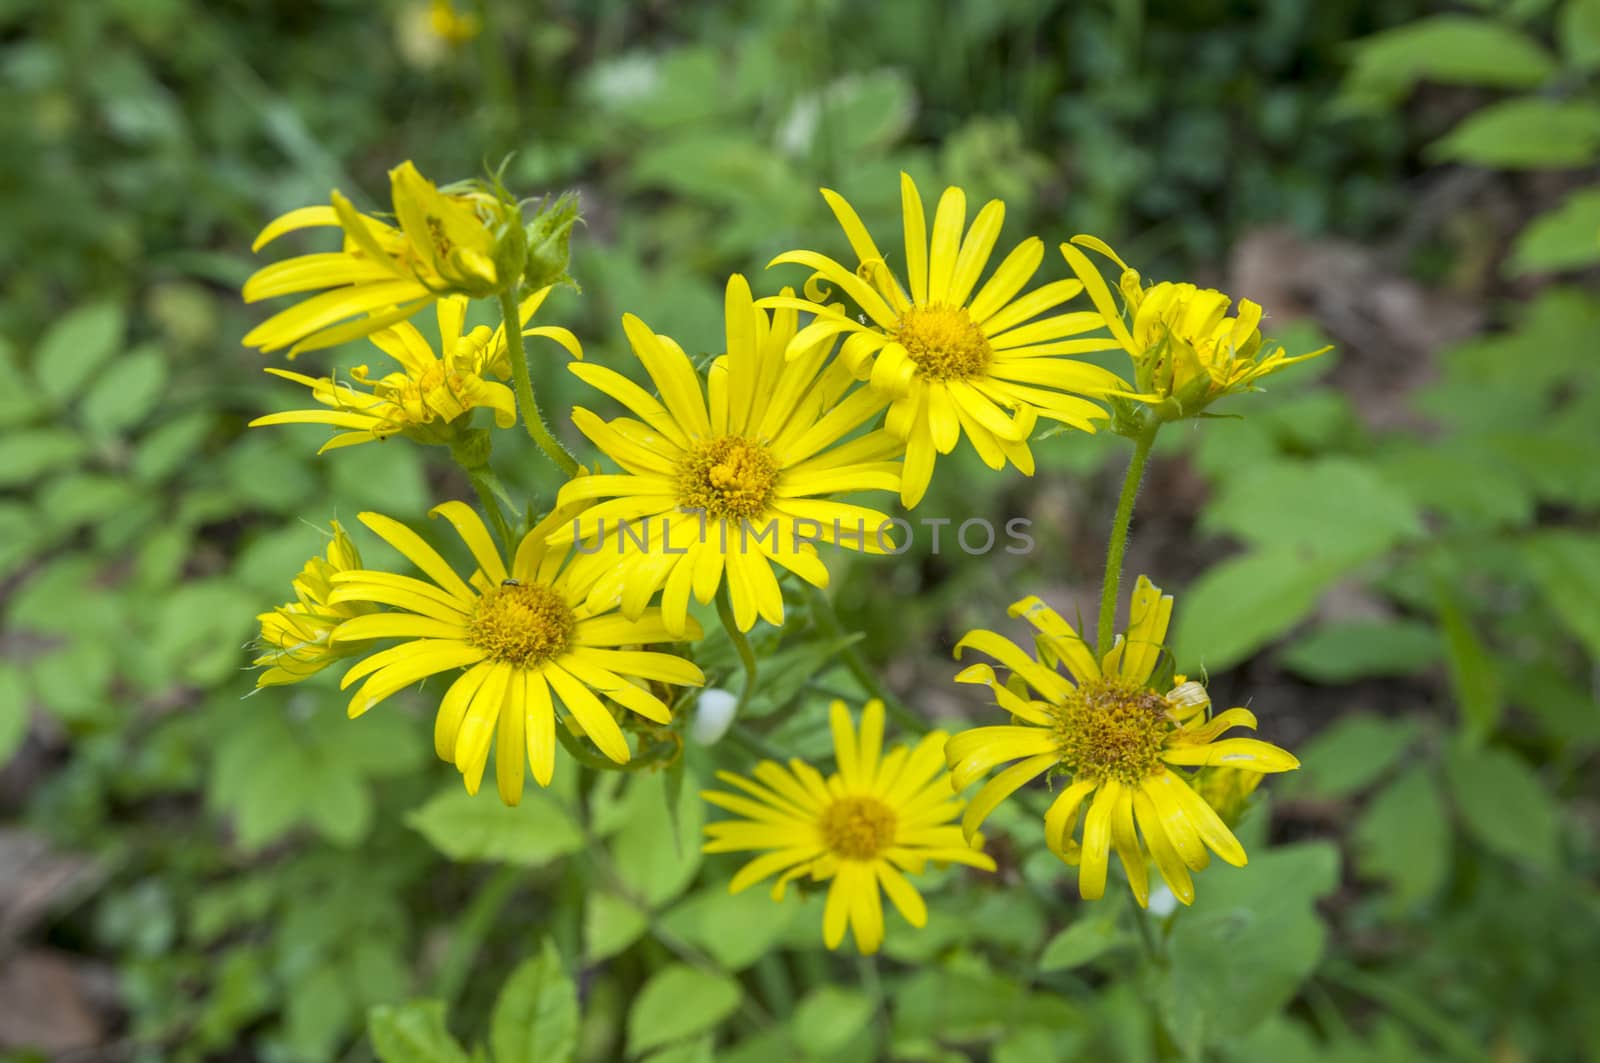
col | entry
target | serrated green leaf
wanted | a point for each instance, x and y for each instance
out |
(1448, 49)
(1351, 754)
(77, 345)
(679, 1001)
(1343, 653)
(413, 1033)
(829, 1017)
(1567, 237)
(1245, 602)
(1088, 938)
(26, 456)
(1251, 938)
(1566, 568)
(610, 924)
(1533, 133)
(535, 1018)
(467, 827)
(1504, 805)
(125, 393)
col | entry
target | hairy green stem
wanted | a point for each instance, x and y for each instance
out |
(1119, 533)
(481, 483)
(827, 622)
(532, 418)
(747, 656)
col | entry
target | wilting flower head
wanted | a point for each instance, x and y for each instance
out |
(433, 391)
(467, 240)
(526, 640)
(729, 475)
(953, 357)
(861, 829)
(295, 641)
(1187, 352)
(1120, 746)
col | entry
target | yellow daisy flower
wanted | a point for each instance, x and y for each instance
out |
(952, 361)
(1187, 352)
(450, 25)
(525, 639)
(1119, 741)
(295, 637)
(424, 400)
(861, 829)
(445, 243)
(724, 488)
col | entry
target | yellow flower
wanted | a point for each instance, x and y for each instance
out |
(1116, 739)
(525, 640)
(954, 362)
(1187, 352)
(295, 636)
(860, 829)
(723, 490)
(450, 25)
(446, 243)
(426, 398)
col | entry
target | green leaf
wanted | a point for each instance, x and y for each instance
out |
(736, 929)
(1566, 568)
(1403, 837)
(1088, 938)
(829, 1017)
(78, 498)
(169, 444)
(1567, 237)
(125, 393)
(1473, 676)
(679, 1001)
(1531, 133)
(1351, 754)
(1343, 653)
(610, 924)
(77, 345)
(414, 1032)
(1449, 49)
(536, 1016)
(657, 853)
(1249, 941)
(14, 702)
(700, 1050)
(1463, 480)
(26, 456)
(74, 682)
(1246, 602)
(1504, 805)
(1578, 30)
(859, 114)
(467, 827)
(958, 1005)
(1330, 506)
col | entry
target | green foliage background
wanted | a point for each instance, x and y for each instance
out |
(1395, 558)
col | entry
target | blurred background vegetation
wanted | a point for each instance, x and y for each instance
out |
(1394, 560)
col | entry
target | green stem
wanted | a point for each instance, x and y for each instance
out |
(481, 484)
(1119, 533)
(1147, 937)
(827, 622)
(473, 929)
(746, 655)
(532, 418)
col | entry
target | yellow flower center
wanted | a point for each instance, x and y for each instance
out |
(522, 624)
(1112, 728)
(944, 342)
(727, 478)
(858, 828)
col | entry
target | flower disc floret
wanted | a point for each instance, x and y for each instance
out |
(727, 478)
(858, 828)
(1111, 728)
(522, 624)
(944, 342)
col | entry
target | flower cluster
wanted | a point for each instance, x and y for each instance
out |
(575, 628)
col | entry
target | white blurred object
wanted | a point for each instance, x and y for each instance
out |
(1162, 902)
(713, 715)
